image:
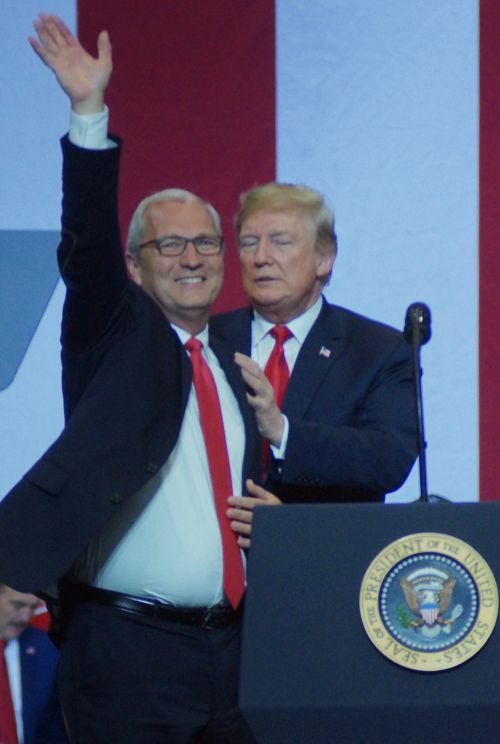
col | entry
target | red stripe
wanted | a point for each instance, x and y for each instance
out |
(193, 95)
(489, 241)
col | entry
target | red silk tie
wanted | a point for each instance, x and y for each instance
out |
(8, 729)
(276, 370)
(278, 374)
(212, 427)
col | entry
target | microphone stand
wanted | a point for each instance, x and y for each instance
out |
(417, 382)
(417, 332)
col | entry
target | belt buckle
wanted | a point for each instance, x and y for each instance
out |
(208, 618)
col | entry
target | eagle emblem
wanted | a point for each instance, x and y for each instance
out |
(428, 593)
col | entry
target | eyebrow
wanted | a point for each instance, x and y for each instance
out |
(273, 234)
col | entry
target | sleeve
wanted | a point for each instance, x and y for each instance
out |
(90, 254)
(364, 440)
(90, 130)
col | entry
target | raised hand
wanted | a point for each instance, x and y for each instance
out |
(83, 77)
(268, 416)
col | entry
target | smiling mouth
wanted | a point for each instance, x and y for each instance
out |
(190, 280)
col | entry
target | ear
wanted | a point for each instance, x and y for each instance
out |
(325, 265)
(133, 267)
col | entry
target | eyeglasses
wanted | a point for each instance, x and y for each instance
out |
(175, 245)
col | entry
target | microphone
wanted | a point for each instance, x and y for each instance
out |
(418, 323)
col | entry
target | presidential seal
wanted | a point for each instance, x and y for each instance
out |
(428, 602)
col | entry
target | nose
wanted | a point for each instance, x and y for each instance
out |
(190, 257)
(263, 253)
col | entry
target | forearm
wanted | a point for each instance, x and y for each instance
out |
(363, 438)
(346, 456)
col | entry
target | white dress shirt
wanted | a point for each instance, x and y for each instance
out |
(170, 544)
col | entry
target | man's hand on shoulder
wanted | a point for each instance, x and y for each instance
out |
(82, 77)
(268, 416)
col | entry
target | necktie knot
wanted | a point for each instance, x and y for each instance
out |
(281, 334)
(193, 345)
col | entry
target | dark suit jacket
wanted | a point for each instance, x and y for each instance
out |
(42, 718)
(126, 381)
(350, 404)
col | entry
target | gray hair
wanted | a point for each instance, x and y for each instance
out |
(136, 228)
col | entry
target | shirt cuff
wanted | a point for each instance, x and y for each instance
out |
(279, 452)
(90, 131)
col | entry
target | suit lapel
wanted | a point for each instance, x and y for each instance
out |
(186, 376)
(322, 348)
(237, 333)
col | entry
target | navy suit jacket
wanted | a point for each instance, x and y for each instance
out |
(42, 717)
(126, 381)
(350, 404)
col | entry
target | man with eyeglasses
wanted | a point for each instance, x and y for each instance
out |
(130, 511)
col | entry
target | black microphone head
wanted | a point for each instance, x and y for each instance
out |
(418, 317)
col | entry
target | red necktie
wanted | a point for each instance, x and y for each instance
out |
(212, 427)
(276, 370)
(278, 374)
(8, 729)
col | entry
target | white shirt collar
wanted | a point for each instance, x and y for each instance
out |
(299, 326)
(185, 335)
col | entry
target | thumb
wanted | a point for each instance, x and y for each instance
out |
(104, 47)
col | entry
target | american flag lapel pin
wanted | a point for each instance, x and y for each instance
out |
(325, 352)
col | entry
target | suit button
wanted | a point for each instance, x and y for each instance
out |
(152, 467)
(116, 498)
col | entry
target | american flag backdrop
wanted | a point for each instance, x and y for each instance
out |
(375, 104)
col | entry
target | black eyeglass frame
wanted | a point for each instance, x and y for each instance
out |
(196, 241)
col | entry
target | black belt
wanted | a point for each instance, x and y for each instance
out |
(217, 616)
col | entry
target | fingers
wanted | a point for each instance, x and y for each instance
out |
(241, 521)
(57, 27)
(104, 47)
(255, 378)
(40, 51)
(245, 362)
(240, 512)
(241, 504)
(250, 370)
(259, 493)
(241, 516)
(241, 524)
(53, 34)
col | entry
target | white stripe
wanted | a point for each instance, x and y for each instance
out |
(377, 108)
